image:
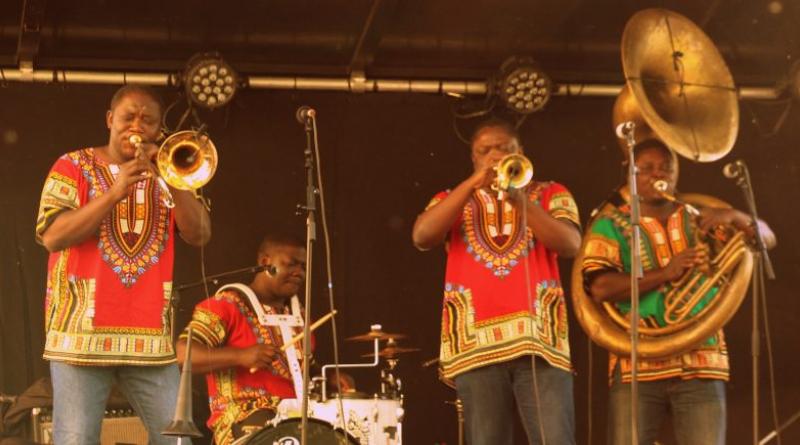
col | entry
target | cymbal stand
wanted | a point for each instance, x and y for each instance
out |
(459, 405)
(323, 378)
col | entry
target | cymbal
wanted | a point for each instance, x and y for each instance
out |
(391, 351)
(376, 333)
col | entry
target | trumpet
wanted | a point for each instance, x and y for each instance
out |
(166, 195)
(514, 171)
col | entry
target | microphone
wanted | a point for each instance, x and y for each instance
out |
(624, 129)
(734, 170)
(304, 113)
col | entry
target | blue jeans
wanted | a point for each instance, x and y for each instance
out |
(489, 394)
(697, 407)
(80, 394)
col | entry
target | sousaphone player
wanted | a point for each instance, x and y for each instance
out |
(696, 264)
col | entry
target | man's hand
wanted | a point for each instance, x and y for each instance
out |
(258, 356)
(131, 172)
(483, 178)
(684, 261)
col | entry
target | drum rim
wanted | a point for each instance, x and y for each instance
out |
(321, 422)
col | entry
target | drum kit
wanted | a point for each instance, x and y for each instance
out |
(349, 418)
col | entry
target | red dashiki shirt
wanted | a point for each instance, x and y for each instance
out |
(485, 315)
(107, 300)
(227, 319)
(607, 248)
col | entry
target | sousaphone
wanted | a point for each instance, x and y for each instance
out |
(679, 90)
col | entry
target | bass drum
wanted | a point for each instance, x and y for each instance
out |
(369, 421)
(287, 432)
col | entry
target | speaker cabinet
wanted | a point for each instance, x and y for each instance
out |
(120, 427)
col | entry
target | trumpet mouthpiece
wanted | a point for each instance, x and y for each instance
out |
(135, 139)
(660, 185)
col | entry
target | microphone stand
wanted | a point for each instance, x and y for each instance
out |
(311, 236)
(763, 265)
(636, 274)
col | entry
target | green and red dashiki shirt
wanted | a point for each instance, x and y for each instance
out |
(607, 248)
(486, 317)
(227, 319)
(107, 300)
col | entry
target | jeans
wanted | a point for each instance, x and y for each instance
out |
(80, 394)
(489, 394)
(697, 407)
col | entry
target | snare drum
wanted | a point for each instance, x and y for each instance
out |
(370, 421)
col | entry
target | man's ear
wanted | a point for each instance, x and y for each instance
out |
(109, 115)
(264, 259)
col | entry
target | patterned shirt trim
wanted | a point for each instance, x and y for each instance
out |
(503, 338)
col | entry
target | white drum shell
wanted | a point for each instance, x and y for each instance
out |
(371, 421)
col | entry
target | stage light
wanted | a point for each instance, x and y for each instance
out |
(522, 85)
(209, 81)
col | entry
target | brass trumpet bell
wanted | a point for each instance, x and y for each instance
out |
(514, 172)
(187, 160)
(680, 84)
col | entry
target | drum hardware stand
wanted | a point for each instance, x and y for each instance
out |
(323, 378)
(626, 131)
(784, 425)
(391, 386)
(460, 413)
(182, 424)
(763, 266)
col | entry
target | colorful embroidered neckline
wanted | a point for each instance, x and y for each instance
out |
(493, 233)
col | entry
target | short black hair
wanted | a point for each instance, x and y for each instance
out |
(651, 143)
(134, 88)
(494, 122)
(273, 240)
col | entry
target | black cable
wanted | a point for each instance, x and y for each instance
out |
(26, 318)
(770, 359)
(529, 293)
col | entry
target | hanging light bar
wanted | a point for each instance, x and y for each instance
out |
(430, 86)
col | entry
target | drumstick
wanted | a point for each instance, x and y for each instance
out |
(299, 336)
(314, 326)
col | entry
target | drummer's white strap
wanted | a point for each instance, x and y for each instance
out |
(285, 323)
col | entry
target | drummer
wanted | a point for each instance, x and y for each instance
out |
(246, 372)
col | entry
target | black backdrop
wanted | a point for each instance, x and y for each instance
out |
(383, 156)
